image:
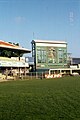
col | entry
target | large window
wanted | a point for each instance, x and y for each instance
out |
(65, 56)
(41, 55)
(62, 56)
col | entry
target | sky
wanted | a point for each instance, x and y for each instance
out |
(24, 20)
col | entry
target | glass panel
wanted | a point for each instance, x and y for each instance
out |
(41, 55)
(60, 55)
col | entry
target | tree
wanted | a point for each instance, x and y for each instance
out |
(10, 53)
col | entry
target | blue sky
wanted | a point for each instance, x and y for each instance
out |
(24, 20)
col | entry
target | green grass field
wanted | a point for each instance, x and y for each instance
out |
(51, 99)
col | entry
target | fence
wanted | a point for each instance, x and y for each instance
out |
(31, 76)
(9, 75)
(16, 75)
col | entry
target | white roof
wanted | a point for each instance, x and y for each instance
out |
(49, 41)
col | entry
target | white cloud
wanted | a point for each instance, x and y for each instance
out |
(71, 17)
(19, 19)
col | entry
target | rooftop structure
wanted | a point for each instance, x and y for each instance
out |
(49, 41)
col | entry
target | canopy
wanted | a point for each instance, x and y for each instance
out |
(8, 46)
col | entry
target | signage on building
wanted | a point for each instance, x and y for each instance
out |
(13, 64)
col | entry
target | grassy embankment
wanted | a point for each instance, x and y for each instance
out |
(52, 99)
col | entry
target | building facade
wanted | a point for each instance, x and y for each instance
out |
(75, 61)
(49, 54)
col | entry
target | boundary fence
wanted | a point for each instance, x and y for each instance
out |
(8, 75)
(52, 73)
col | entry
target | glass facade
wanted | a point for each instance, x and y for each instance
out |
(41, 55)
(62, 55)
(50, 55)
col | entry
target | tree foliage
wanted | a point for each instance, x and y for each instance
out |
(10, 53)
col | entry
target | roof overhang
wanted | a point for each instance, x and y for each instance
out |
(8, 46)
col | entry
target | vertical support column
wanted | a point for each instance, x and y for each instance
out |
(60, 70)
(19, 66)
(70, 71)
(49, 71)
(25, 72)
(6, 73)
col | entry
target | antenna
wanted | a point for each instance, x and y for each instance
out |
(33, 35)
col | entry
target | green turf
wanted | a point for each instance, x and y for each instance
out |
(51, 99)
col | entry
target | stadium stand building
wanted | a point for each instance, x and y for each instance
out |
(16, 63)
(49, 54)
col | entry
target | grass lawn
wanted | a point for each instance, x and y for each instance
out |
(51, 99)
